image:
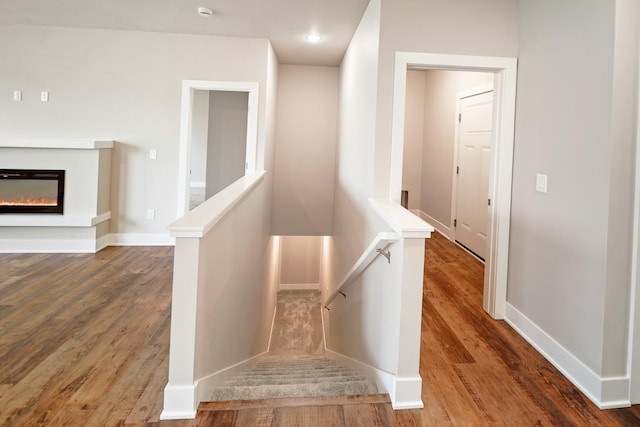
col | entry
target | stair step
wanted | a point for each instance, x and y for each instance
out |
(299, 367)
(293, 390)
(356, 399)
(294, 380)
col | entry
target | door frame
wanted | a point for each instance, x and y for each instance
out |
(186, 119)
(505, 74)
(479, 90)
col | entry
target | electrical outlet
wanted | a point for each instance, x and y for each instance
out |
(17, 95)
(44, 96)
(153, 154)
(151, 213)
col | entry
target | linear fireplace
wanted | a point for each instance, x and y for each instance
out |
(31, 191)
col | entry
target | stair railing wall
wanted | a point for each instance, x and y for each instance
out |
(377, 323)
(223, 292)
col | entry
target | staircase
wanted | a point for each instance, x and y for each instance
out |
(296, 364)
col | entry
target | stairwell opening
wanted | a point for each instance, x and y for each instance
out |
(297, 363)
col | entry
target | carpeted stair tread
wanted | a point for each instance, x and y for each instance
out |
(296, 379)
(347, 388)
(296, 365)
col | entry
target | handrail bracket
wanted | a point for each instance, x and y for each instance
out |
(385, 253)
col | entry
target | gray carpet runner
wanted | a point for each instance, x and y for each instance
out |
(296, 365)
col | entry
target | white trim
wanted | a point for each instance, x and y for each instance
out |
(273, 322)
(184, 156)
(439, 227)
(403, 222)
(198, 184)
(633, 348)
(73, 144)
(48, 246)
(201, 219)
(505, 69)
(102, 242)
(140, 239)
(177, 397)
(34, 220)
(299, 287)
(406, 389)
(605, 392)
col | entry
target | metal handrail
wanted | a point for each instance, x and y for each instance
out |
(377, 247)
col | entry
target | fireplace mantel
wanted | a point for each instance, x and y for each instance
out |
(84, 224)
(73, 143)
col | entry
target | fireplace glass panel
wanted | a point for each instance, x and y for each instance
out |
(28, 192)
(31, 191)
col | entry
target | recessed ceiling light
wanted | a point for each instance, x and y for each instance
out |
(313, 37)
(205, 11)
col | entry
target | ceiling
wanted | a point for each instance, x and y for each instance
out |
(284, 22)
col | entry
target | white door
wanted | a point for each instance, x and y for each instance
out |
(474, 161)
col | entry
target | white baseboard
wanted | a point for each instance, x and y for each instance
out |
(50, 246)
(102, 242)
(141, 239)
(605, 392)
(440, 227)
(179, 402)
(404, 392)
(273, 322)
(18, 246)
(299, 287)
(407, 393)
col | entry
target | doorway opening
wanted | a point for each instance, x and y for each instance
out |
(499, 161)
(218, 138)
(447, 149)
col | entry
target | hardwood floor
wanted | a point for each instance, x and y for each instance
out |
(84, 342)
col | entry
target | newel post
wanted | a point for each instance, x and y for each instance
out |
(180, 400)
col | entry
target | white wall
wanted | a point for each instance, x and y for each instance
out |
(124, 86)
(366, 98)
(557, 258)
(225, 283)
(226, 139)
(199, 134)
(413, 137)
(234, 293)
(354, 226)
(436, 126)
(368, 326)
(461, 27)
(305, 155)
(371, 326)
(300, 261)
(569, 258)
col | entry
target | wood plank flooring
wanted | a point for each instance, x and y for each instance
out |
(84, 341)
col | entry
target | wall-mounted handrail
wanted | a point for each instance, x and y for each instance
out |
(377, 247)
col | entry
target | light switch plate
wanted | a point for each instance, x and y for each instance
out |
(541, 183)
(153, 154)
